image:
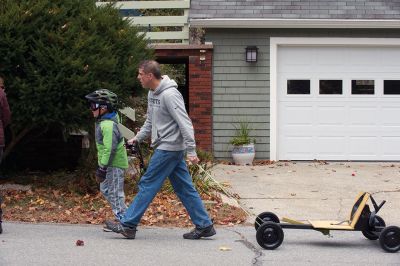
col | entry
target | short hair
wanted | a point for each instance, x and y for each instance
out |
(151, 66)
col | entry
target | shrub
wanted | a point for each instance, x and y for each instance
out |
(54, 52)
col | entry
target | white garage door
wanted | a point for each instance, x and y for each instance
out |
(338, 103)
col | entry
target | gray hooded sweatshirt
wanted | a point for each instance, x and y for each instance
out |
(167, 120)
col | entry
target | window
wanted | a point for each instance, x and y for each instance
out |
(296, 86)
(362, 87)
(391, 87)
(330, 87)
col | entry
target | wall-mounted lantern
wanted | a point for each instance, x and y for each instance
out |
(202, 56)
(251, 53)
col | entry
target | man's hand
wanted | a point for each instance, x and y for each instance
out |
(101, 173)
(193, 159)
(132, 141)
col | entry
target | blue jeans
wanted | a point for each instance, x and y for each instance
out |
(165, 164)
(112, 189)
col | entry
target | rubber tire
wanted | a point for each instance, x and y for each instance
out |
(390, 239)
(369, 233)
(269, 235)
(265, 217)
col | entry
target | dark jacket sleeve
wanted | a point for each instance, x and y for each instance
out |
(5, 109)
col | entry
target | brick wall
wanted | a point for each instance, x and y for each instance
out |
(200, 86)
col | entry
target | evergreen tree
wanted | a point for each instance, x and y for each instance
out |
(54, 52)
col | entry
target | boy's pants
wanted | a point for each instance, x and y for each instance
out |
(113, 190)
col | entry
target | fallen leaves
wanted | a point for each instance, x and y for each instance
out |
(224, 248)
(255, 162)
(43, 205)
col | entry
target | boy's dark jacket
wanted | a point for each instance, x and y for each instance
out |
(5, 116)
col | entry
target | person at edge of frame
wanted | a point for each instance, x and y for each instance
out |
(5, 120)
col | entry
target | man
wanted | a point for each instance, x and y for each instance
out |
(5, 119)
(172, 136)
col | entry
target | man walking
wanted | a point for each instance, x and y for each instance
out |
(172, 136)
(5, 119)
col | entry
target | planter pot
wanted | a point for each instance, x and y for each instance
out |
(243, 154)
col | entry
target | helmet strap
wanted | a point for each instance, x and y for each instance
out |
(98, 113)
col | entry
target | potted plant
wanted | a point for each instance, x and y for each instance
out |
(243, 152)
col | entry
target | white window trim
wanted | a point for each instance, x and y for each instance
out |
(275, 42)
(265, 23)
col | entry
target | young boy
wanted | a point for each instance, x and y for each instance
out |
(111, 152)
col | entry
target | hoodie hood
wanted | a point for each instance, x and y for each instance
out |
(110, 116)
(165, 84)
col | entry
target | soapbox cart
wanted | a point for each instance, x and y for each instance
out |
(270, 234)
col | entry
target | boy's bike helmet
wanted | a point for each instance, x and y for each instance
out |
(103, 97)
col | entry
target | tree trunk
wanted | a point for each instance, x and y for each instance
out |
(16, 139)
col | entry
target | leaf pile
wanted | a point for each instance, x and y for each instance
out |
(57, 206)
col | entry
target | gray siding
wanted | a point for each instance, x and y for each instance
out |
(299, 9)
(241, 90)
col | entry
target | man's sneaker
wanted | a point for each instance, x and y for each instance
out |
(198, 233)
(116, 227)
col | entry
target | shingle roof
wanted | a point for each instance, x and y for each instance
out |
(295, 9)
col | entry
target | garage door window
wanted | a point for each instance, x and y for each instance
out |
(362, 87)
(391, 87)
(296, 86)
(330, 87)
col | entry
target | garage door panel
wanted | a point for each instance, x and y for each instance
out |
(299, 146)
(298, 115)
(390, 116)
(391, 146)
(363, 57)
(330, 115)
(363, 146)
(363, 115)
(362, 132)
(342, 126)
(329, 57)
(331, 146)
(392, 53)
(302, 58)
(297, 130)
(362, 119)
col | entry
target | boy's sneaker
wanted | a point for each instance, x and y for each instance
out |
(198, 233)
(117, 227)
(105, 228)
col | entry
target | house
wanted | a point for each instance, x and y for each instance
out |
(325, 83)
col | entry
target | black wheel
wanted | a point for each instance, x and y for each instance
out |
(390, 239)
(369, 233)
(265, 217)
(269, 235)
